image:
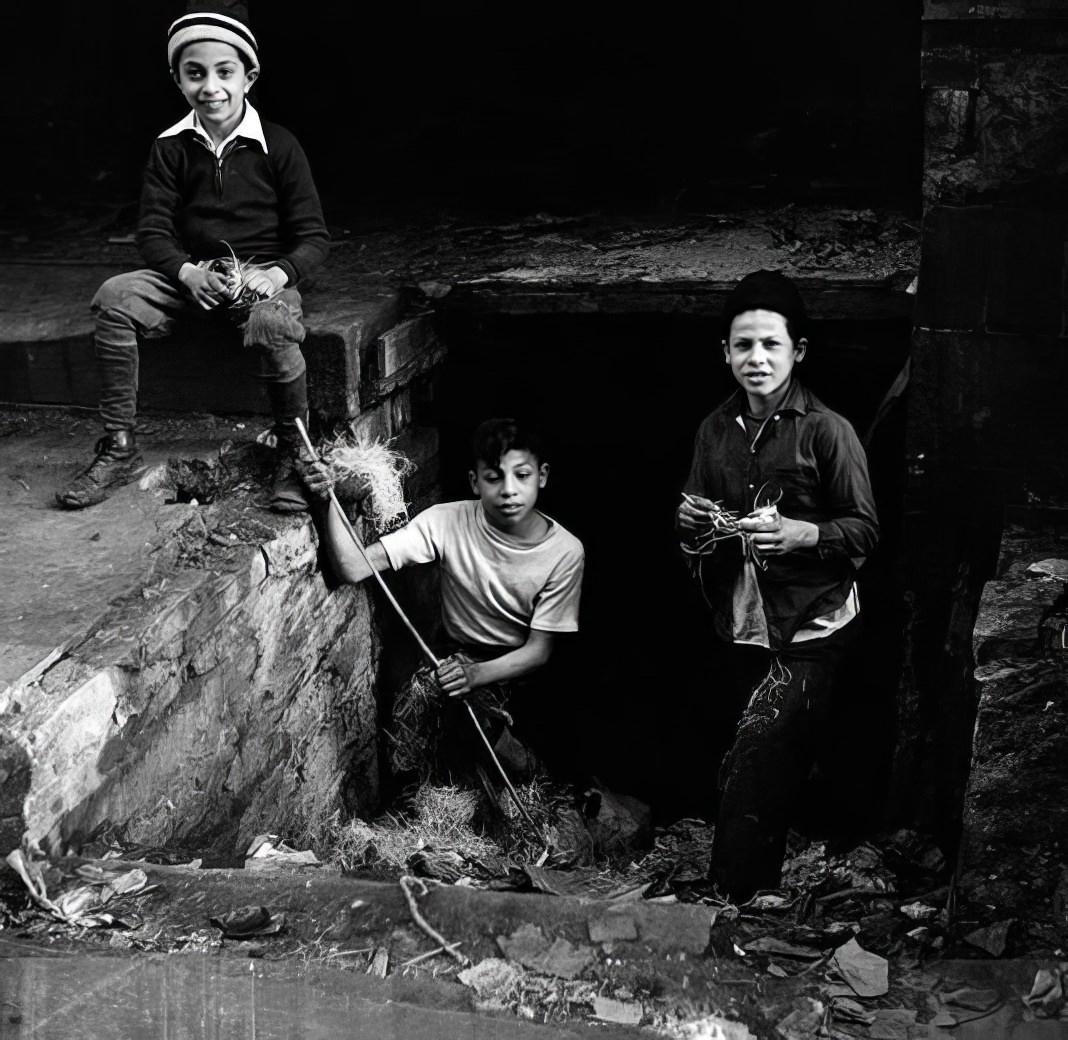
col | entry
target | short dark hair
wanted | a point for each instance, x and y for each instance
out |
(496, 437)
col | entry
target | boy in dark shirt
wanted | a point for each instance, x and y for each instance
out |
(221, 179)
(776, 518)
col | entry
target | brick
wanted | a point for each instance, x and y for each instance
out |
(403, 344)
(374, 424)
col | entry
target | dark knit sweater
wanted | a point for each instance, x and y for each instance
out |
(265, 206)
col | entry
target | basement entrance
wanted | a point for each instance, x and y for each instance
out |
(634, 698)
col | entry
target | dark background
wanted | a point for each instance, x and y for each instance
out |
(473, 105)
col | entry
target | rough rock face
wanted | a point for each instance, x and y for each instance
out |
(1015, 816)
(242, 701)
(995, 114)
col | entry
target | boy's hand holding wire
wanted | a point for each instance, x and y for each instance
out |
(694, 513)
(703, 523)
(771, 533)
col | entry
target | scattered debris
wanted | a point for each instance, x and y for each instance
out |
(618, 824)
(268, 851)
(892, 1023)
(409, 885)
(769, 944)
(867, 973)
(845, 1009)
(379, 965)
(803, 1021)
(83, 905)
(528, 946)
(993, 938)
(247, 922)
(621, 1012)
(412, 961)
(707, 1027)
(494, 981)
(1047, 996)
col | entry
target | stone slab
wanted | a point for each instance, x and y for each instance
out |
(170, 665)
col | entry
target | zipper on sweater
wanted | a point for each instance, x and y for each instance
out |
(219, 160)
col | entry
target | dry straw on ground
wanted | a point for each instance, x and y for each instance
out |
(438, 817)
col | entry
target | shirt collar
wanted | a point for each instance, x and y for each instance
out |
(250, 127)
(796, 399)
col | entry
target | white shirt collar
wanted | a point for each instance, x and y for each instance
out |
(250, 127)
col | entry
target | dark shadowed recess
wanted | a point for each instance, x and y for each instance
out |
(636, 697)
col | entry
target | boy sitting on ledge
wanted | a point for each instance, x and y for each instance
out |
(220, 180)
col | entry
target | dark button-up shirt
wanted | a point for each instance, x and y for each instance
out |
(814, 456)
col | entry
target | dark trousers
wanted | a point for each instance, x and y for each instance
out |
(145, 305)
(763, 774)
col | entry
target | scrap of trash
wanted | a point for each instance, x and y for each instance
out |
(100, 898)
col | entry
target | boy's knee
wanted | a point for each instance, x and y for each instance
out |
(276, 324)
(134, 300)
(114, 291)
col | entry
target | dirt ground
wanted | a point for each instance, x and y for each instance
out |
(60, 567)
(866, 943)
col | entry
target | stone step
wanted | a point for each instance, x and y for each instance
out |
(46, 354)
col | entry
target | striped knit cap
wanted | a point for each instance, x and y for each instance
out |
(191, 28)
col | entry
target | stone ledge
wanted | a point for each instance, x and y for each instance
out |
(46, 354)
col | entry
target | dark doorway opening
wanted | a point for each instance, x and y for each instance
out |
(633, 698)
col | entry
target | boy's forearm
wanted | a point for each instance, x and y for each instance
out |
(516, 663)
(348, 562)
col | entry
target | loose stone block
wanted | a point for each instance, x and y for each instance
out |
(1015, 822)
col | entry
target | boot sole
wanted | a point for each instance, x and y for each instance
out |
(73, 501)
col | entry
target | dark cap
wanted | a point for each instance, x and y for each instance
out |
(766, 291)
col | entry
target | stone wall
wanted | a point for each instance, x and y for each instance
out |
(989, 358)
(234, 688)
(1015, 824)
(242, 701)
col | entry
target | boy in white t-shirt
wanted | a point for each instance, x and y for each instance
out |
(511, 577)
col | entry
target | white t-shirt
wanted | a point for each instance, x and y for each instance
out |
(493, 588)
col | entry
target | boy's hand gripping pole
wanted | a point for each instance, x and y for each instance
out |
(428, 653)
